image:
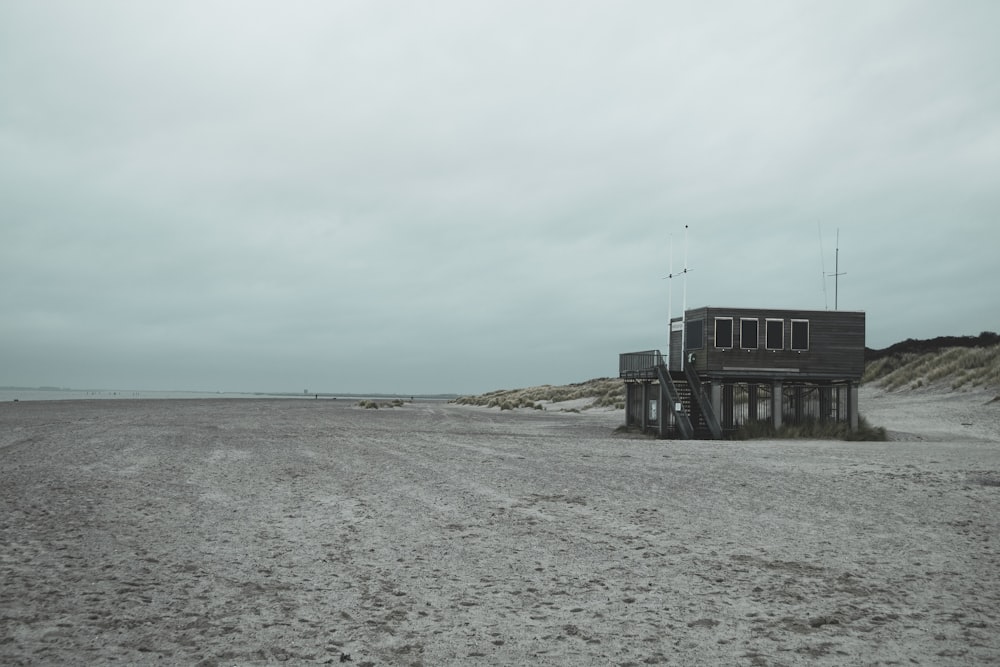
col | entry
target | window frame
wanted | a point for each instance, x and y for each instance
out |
(732, 333)
(687, 334)
(767, 333)
(756, 340)
(792, 343)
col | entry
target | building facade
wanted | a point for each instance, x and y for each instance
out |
(729, 366)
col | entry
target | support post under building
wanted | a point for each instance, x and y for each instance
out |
(645, 406)
(715, 390)
(852, 405)
(777, 402)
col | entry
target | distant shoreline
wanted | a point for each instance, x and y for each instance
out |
(63, 394)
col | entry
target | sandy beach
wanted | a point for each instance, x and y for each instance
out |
(244, 532)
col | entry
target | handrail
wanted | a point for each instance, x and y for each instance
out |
(683, 421)
(703, 403)
(631, 363)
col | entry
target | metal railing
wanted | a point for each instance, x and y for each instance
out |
(639, 364)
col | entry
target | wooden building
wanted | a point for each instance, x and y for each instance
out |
(730, 366)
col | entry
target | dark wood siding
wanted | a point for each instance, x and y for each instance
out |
(707, 338)
(836, 345)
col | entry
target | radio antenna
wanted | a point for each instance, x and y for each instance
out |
(836, 273)
(684, 300)
(670, 301)
(822, 266)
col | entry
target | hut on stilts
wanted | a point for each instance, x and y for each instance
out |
(730, 366)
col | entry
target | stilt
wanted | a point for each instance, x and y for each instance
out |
(645, 406)
(825, 403)
(728, 407)
(777, 401)
(852, 405)
(715, 389)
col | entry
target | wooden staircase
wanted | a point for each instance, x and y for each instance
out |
(685, 399)
(672, 397)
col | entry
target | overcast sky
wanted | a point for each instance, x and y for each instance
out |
(461, 195)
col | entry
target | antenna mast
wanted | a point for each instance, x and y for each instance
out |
(684, 300)
(670, 307)
(822, 266)
(670, 300)
(836, 273)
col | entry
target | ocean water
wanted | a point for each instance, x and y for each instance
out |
(100, 394)
(104, 394)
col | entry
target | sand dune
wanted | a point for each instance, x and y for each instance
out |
(261, 532)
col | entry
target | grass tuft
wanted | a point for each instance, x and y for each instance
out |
(985, 479)
(812, 429)
(369, 404)
(604, 392)
(958, 368)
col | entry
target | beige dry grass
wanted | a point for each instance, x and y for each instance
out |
(596, 393)
(956, 368)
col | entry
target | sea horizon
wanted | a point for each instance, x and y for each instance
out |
(8, 394)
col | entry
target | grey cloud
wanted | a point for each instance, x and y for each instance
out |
(457, 196)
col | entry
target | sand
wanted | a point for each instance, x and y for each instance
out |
(235, 532)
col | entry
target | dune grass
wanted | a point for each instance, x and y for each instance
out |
(369, 404)
(812, 429)
(604, 392)
(955, 368)
(921, 365)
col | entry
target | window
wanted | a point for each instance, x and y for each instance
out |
(800, 335)
(723, 332)
(695, 334)
(774, 334)
(749, 333)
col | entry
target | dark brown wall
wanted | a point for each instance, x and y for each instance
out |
(836, 344)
